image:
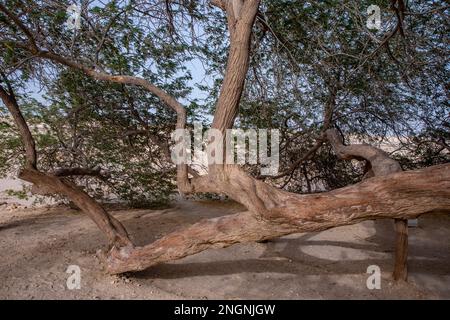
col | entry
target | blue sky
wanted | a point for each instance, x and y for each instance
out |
(194, 66)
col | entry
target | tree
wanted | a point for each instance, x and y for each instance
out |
(271, 212)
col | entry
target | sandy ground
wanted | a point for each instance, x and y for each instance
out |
(38, 245)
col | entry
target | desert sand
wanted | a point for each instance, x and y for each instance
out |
(38, 244)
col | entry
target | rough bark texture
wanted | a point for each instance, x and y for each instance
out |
(112, 228)
(400, 195)
(241, 15)
(9, 100)
(49, 183)
(378, 164)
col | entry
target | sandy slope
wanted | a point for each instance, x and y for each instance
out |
(37, 246)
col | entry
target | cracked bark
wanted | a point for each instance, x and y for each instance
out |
(270, 212)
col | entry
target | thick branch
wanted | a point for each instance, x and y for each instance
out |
(165, 97)
(237, 65)
(112, 228)
(240, 28)
(381, 163)
(10, 101)
(90, 71)
(400, 195)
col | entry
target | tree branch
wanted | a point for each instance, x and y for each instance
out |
(113, 229)
(34, 49)
(381, 163)
(9, 99)
(400, 195)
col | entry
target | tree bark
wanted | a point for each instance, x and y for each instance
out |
(112, 228)
(241, 15)
(378, 164)
(10, 101)
(399, 195)
(401, 250)
(48, 183)
(271, 212)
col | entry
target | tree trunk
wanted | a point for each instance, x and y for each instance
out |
(378, 164)
(271, 212)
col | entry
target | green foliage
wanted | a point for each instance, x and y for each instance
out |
(307, 59)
